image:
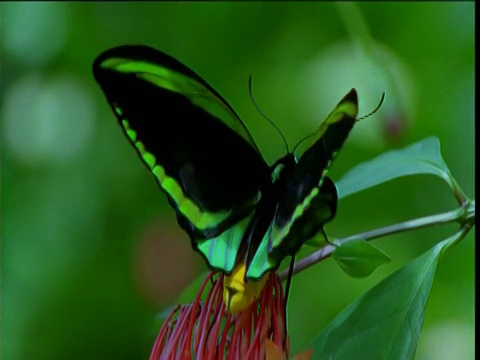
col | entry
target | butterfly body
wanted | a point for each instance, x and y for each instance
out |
(235, 208)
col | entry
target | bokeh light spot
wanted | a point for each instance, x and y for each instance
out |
(164, 263)
(47, 120)
(34, 32)
(344, 65)
(448, 340)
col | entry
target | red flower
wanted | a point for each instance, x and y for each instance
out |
(254, 328)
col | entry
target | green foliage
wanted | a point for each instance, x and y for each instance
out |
(385, 322)
(358, 258)
(423, 157)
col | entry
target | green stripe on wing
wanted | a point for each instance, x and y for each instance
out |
(221, 251)
(202, 220)
(199, 93)
(309, 174)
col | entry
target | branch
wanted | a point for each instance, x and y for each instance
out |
(464, 214)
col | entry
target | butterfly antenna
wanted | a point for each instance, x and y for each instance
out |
(359, 119)
(374, 111)
(261, 113)
(301, 141)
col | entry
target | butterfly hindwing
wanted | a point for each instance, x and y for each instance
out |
(192, 141)
(321, 209)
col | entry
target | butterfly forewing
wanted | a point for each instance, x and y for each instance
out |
(308, 201)
(192, 141)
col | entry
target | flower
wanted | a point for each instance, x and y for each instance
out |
(205, 329)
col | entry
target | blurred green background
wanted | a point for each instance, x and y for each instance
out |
(90, 248)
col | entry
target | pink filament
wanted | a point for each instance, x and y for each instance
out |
(205, 330)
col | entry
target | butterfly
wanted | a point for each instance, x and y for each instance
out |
(235, 208)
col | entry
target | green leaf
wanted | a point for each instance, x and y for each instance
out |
(359, 258)
(385, 322)
(423, 157)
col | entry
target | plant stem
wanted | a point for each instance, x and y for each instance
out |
(458, 192)
(462, 215)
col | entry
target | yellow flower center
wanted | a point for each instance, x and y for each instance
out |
(239, 293)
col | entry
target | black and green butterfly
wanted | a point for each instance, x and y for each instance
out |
(235, 208)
